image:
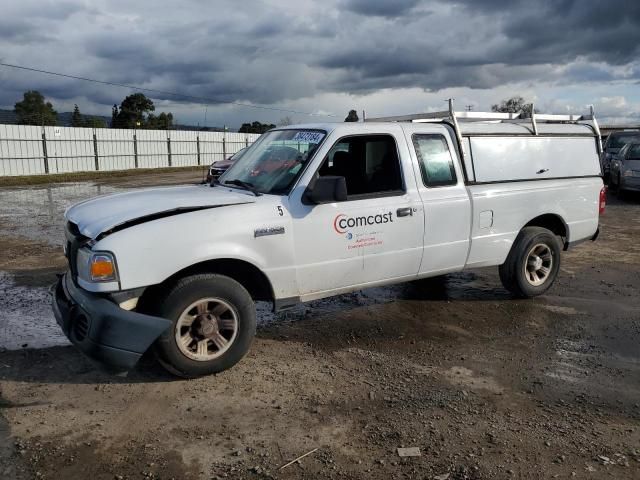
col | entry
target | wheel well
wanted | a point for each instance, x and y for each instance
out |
(245, 273)
(551, 222)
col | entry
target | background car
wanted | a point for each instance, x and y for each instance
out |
(218, 168)
(614, 143)
(625, 168)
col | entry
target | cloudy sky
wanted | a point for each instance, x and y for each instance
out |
(387, 57)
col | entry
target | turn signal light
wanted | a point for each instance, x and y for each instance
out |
(102, 268)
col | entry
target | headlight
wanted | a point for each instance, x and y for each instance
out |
(97, 266)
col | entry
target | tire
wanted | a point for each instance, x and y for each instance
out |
(534, 249)
(217, 313)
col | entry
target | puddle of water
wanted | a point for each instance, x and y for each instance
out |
(572, 361)
(37, 212)
(26, 318)
(466, 285)
(27, 321)
(317, 308)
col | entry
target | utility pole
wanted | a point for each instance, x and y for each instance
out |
(469, 108)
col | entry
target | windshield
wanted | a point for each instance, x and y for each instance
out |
(619, 141)
(274, 162)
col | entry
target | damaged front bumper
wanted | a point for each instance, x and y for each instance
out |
(100, 328)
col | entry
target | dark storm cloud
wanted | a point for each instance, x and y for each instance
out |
(20, 31)
(441, 49)
(281, 51)
(382, 8)
(559, 30)
(601, 31)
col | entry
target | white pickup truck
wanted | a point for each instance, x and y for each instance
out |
(318, 210)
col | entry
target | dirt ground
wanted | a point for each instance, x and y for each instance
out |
(486, 386)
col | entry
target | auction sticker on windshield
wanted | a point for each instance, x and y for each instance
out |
(308, 136)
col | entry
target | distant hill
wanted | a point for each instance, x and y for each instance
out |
(8, 117)
(64, 120)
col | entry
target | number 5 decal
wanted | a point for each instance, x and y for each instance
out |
(280, 211)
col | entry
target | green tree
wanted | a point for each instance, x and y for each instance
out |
(256, 127)
(76, 117)
(33, 110)
(513, 105)
(352, 116)
(133, 111)
(164, 121)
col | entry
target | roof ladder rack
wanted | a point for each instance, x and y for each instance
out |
(533, 119)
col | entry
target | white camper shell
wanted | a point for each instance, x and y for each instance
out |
(499, 152)
(317, 210)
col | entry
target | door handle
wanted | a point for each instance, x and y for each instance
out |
(404, 212)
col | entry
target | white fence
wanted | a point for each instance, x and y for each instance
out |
(29, 150)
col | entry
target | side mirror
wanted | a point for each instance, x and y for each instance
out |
(326, 190)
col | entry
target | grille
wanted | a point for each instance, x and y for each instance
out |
(81, 327)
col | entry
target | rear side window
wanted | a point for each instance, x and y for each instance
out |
(434, 157)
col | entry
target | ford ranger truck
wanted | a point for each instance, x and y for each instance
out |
(318, 210)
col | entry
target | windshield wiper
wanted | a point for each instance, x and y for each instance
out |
(245, 185)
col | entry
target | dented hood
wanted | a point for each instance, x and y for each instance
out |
(103, 214)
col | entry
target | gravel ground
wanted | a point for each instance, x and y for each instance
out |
(483, 385)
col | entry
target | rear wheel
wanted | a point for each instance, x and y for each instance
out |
(214, 323)
(532, 264)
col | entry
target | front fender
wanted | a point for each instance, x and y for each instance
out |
(149, 253)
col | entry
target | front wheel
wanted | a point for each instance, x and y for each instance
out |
(532, 264)
(214, 322)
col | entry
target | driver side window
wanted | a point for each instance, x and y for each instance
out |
(369, 164)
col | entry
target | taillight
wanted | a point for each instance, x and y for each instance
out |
(603, 199)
